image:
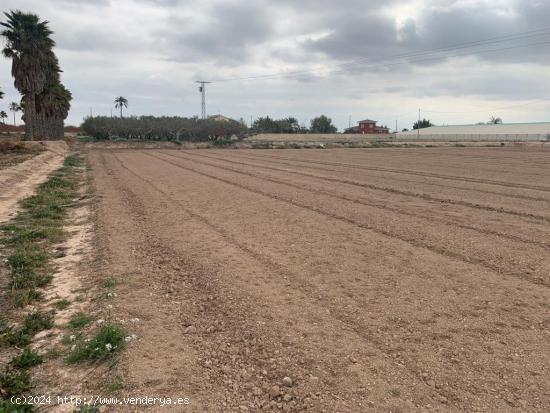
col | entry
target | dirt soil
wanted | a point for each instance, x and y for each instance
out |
(388, 280)
(22, 175)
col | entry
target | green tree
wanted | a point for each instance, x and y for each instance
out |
(424, 123)
(1, 94)
(322, 124)
(3, 115)
(495, 121)
(29, 45)
(121, 102)
(14, 107)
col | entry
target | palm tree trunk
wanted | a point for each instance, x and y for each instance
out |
(29, 114)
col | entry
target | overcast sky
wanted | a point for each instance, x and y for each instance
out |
(152, 51)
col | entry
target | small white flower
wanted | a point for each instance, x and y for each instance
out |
(109, 294)
(109, 306)
(100, 321)
(72, 338)
(73, 347)
(108, 346)
(87, 340)
(135, 320)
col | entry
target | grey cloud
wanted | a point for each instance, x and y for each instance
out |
(232, 31)
(369, 34)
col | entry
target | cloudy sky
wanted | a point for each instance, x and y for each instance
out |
(349, 58)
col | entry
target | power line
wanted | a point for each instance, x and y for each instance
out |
(369, 62)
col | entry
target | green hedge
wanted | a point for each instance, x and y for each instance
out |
(161, 128)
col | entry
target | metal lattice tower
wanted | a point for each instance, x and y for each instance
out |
(202, 89)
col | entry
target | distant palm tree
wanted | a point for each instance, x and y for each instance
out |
(14, 107)
(1, 94)
(121, 102)
(3, 115)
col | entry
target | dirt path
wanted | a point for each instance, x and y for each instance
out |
(369, 296)
(19, 181)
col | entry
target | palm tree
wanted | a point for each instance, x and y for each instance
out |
(14, 107)
(54, 104)
(3, 115)
(121, 102)
(1, 94)
(29, 45)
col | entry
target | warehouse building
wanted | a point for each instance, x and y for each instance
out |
(501, 132)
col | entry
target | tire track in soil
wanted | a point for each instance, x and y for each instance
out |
(280, 160)
(484, 231)
(408, 193)
(416, 243)
(358, 325)
(361, 330)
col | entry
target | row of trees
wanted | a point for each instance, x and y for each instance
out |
(321, 124)
(161, 128)
(36, 72)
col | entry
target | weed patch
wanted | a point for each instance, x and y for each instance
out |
(79, 320)
(108, 340)
(27, 359)
(33, 323)
(36, 228)
(8, 407)
(61, 304)
(109, 282)
(14, 382)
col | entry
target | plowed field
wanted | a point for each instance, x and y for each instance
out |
(376, 280)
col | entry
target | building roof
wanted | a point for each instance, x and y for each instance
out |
(220, 118)
(367, 121)
(541, 128)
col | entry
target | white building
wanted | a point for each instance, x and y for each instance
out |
(507, 131)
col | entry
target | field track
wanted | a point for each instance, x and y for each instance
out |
(379, 280)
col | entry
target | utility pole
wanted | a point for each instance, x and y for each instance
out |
(396, 127)
(418, 124)
(202, 89)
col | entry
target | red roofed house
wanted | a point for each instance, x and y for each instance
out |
(369, 126)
